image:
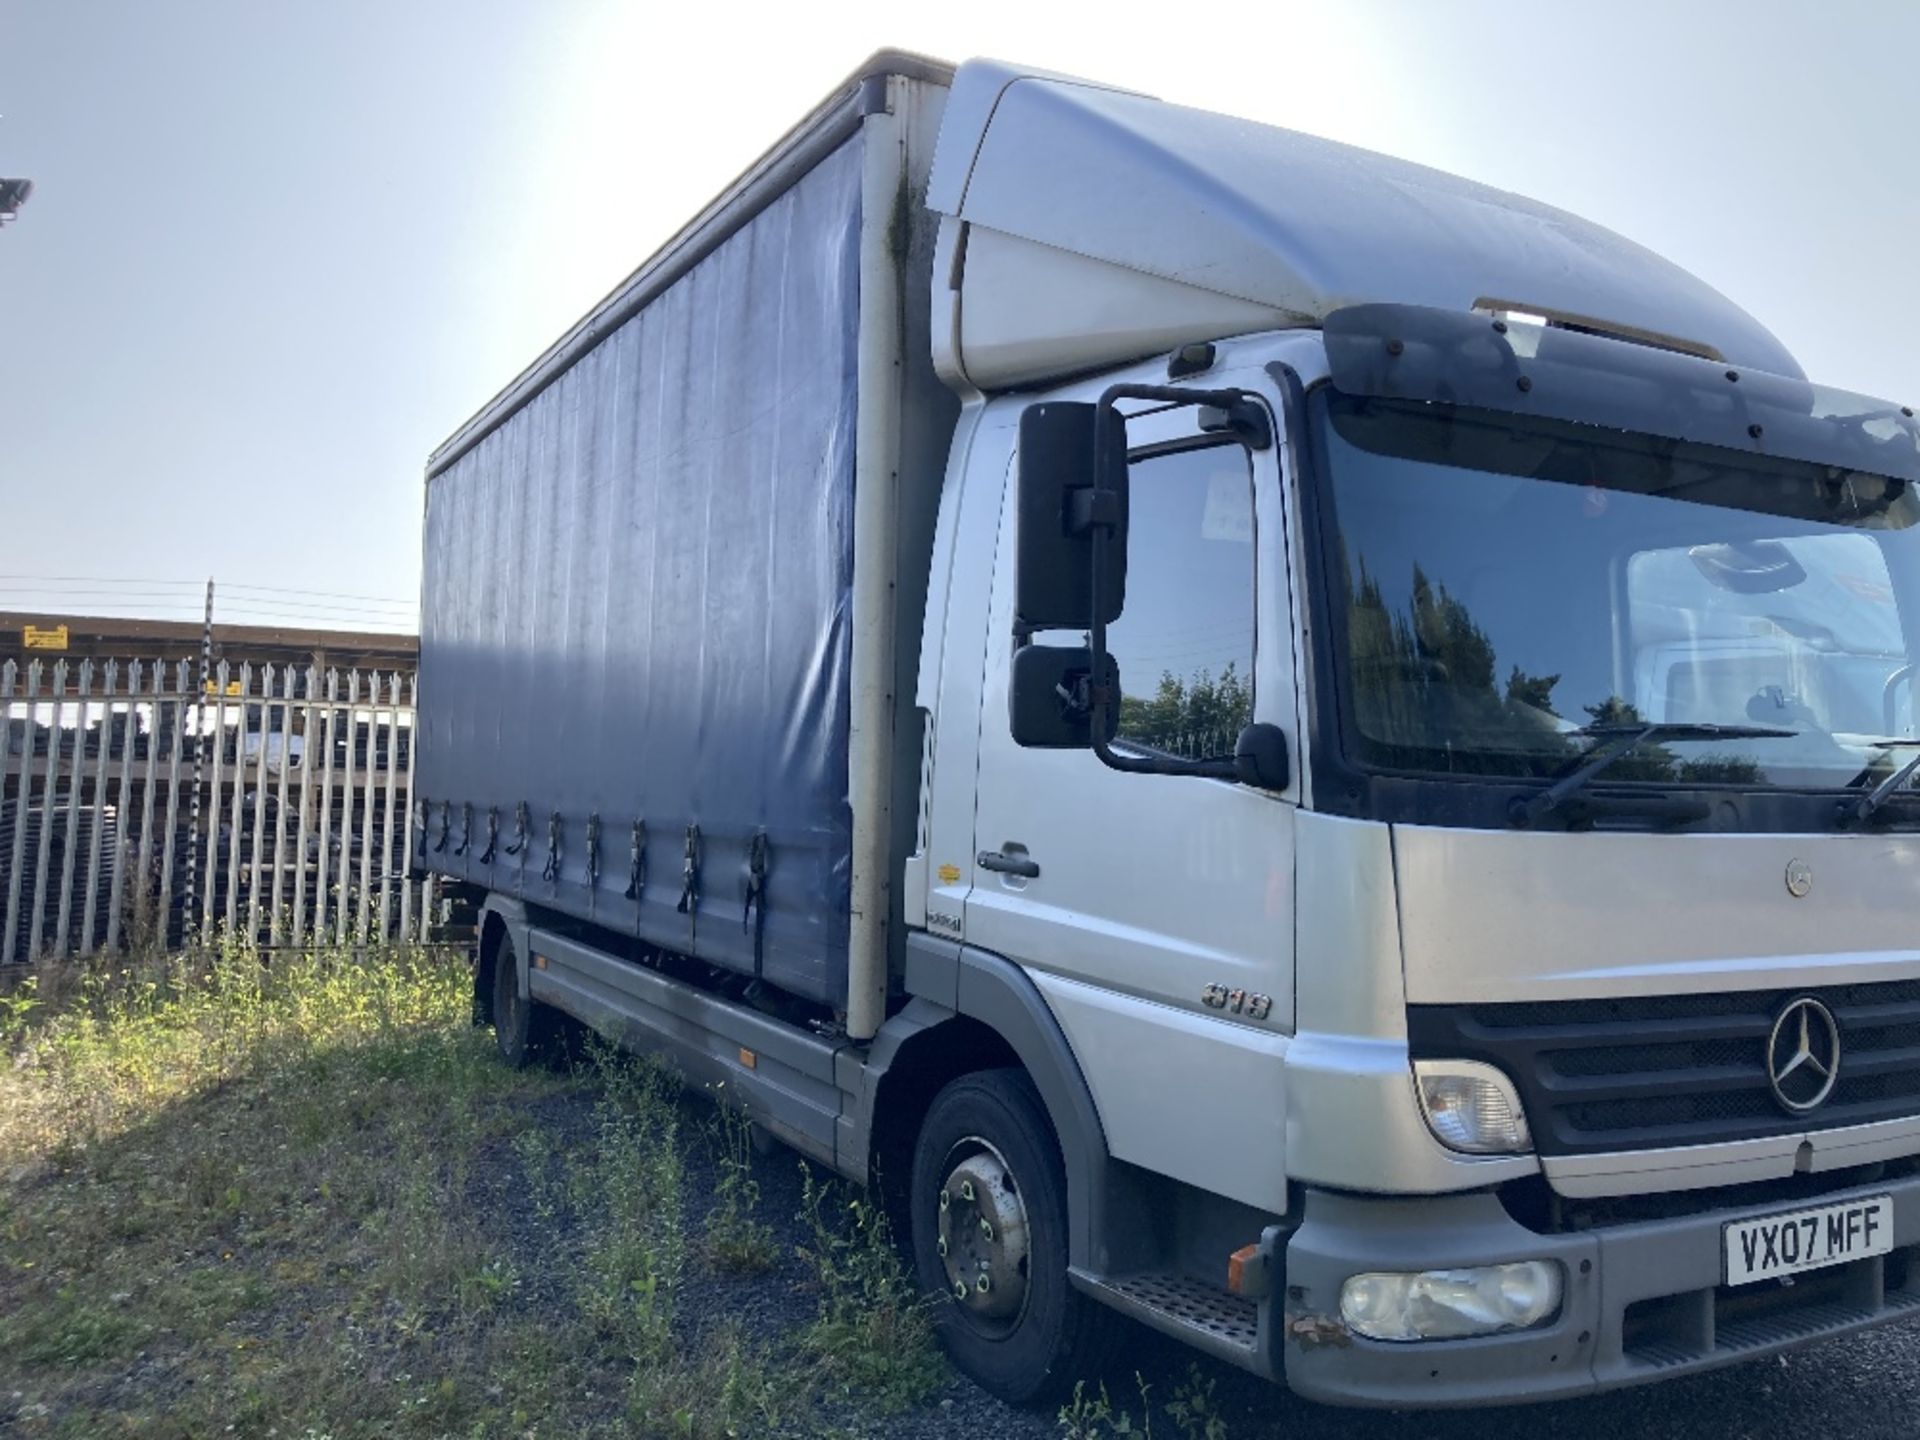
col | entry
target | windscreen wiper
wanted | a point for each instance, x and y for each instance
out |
(1616, 742)
(1858, 811)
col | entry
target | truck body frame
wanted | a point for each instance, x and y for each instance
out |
(1234, 997)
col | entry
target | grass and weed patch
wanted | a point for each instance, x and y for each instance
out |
(231, 1189)
(1192, 1413)
(872, 1336)
(738, 1240)
(302, 1196)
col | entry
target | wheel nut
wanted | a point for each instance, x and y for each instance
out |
(983, 1284)
(986, 1227)
(941, 1246)
(959, 1289)
(966, 1189)
(945, 1200)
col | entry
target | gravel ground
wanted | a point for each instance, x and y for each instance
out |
(1868, 1385)
(1865, 1386)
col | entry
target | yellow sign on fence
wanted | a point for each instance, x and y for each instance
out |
(49, 637)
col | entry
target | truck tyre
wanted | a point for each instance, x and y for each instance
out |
(989, 1228)
(524, 1030)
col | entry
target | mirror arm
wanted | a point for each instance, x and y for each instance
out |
(1889, 697)
(1094, 510)
(1243, 418)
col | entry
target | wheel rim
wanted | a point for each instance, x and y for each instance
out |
(982, 1237)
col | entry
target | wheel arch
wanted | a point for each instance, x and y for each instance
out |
(501, 918)
(983, 1013)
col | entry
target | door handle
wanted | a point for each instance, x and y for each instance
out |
(1002, 863)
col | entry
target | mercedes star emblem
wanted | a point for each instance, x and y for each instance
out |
(1803, 1056)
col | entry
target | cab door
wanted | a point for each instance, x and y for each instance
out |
(1155, 912)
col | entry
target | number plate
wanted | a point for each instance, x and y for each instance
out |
(1798, 1240)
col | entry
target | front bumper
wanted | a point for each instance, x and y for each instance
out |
(1642, 1302)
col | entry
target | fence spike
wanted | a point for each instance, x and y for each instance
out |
(97, 847)
(49, 799)
(22, 807)
(76, 775)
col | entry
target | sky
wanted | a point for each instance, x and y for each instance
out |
(277, 252)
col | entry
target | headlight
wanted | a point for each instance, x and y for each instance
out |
(1471, 1107)
(1451, 1304)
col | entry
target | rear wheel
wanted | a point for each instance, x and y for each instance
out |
(524, 1029)
(989, 1223)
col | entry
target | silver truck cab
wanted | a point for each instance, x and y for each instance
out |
(1547, 982)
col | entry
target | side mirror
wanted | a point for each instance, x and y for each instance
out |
(1897, 701)
(1061, 499)
(1050, 697)
(1260, 758)
(1758, 567)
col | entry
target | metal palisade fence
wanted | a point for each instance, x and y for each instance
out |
(139, 811)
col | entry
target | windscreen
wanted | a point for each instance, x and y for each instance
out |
(1507, 591)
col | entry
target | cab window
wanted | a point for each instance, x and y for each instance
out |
(1184, 641)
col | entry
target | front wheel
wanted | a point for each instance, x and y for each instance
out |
(989, 1223)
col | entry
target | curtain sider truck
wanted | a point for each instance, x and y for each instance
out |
(1293, 747)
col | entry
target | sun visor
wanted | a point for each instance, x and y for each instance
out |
(1408, 352)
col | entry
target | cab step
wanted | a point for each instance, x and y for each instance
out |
(1205, 1316)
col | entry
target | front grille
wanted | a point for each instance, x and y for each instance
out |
(1533, 1202)
(1640, 1073)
